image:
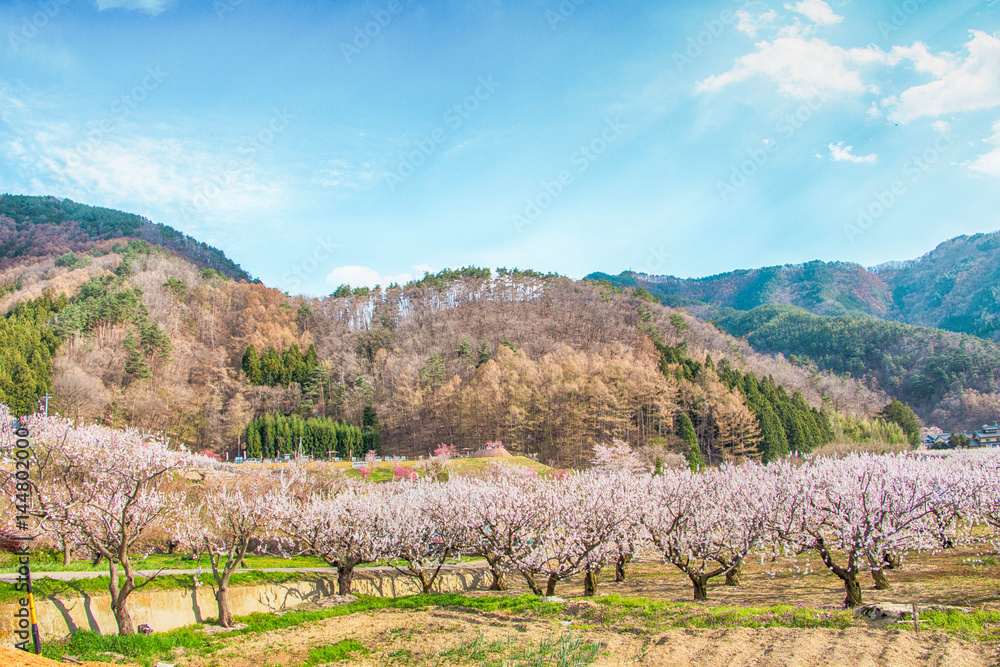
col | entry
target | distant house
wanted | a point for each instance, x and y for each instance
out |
(988, 436)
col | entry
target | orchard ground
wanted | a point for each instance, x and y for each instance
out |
(779, 615)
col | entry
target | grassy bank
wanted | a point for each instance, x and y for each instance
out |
(610, 612)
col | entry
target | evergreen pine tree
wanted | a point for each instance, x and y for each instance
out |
(686, 432)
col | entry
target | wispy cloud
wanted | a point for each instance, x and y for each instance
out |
(363, 276)
(750, 23)
(816, 11)
(152, 7)
(989, 163)
(801, 66)
(962, 85)
(841, 153)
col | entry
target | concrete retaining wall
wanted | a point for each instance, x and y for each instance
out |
(59, 617)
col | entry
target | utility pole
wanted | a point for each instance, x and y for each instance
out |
(47, 397)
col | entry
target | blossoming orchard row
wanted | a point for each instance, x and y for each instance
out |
(106, 492)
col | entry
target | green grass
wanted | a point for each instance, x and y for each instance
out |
(51, 561)
(47, 588)
(977, 626)
(612, 611)
(660, 615)
(342, 650)
(147, 650)
(566, 650)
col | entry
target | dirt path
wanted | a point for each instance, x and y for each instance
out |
(445, 637)
(13, 658)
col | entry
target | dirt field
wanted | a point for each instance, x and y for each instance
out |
(583, 634)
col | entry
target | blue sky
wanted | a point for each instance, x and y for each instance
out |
(324, 142)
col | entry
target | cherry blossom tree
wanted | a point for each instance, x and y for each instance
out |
(108, 488)
(345, 528)
(418, 536)
(228, 516)
(496, 514)
(706, 523)
(857, 510)
(583, 512)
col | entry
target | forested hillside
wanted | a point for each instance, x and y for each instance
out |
(133, 334)
(956, 287)
(950, 379)
(39, 227)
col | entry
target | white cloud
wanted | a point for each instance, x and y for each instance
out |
(801, 67)
(941, 127)
(153, 7)
(962, 85)
(923, 60)
(989, 163)
(363, 276)
(345, 175)
(750, 24)
(816, 11)
(874, 111)
(164, 175)
(841, 153)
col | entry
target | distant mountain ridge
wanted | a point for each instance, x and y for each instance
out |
(955, 287)
(35, 227)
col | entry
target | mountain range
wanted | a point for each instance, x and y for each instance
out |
(134, 323)
(923, 330)
(956, 287)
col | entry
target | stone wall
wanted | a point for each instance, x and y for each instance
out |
(58, 617)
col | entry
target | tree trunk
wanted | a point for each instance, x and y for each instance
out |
(532, 584)
(345, 576)
(225, 616)
(881, 583)
(119, 598)
(700, 586)
(499, 577)
(848, 575)
(124, 619)
(499, 581)
(550, 586)
(426, 583)
(733, 575)
(590, 583)
(67, 552)
(620, 568)
(853, 589)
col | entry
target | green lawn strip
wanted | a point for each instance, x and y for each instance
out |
(48, 588)
(51, 561)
